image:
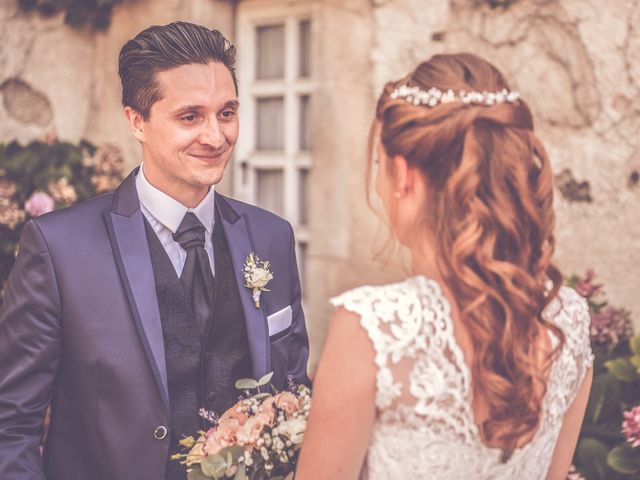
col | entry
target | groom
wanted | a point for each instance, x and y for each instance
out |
(130, 311)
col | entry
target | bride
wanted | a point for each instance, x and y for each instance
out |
(478, 366)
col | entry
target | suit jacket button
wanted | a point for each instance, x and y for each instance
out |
(160, 432)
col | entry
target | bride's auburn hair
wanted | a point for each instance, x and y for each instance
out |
(489, 206)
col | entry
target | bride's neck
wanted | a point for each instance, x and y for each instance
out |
(423, 261)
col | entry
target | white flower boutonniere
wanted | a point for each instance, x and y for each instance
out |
(256, 276)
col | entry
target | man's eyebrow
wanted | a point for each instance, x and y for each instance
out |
(186, 108)
(235, 104)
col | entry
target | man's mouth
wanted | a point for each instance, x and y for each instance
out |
(209, 156)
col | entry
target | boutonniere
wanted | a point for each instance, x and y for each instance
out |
(256, 276)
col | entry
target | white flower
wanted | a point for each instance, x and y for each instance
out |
(259, 277)
(264, 453)
(256, 276)
(294, 429)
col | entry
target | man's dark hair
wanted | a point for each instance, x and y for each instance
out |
(160, 48)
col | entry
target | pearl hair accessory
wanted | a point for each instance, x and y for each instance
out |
(433, 96)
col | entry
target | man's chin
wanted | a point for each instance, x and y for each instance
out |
(207, 179)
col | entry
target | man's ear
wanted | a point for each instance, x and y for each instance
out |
(136, 123)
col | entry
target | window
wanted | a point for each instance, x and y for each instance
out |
(274, 151)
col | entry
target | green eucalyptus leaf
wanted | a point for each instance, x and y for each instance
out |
(214, 466)
(622, 369)
(265, 379)
(591, 458)
(624, 459)
(241, 474)
(196, 474)
(246, 384)
(634, 343)
(235, 451)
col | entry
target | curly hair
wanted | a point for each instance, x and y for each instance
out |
(490, 208)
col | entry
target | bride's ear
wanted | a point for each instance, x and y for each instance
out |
(405, 176)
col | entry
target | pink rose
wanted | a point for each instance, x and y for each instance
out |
(288, 402)
(38, 204)
(285, 401)
(236, 412)
(222, 436)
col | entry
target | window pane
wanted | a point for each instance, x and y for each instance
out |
(270, 124)
(270, 190)
(305, 48)
(270, 52)
(303, 183)
(304, 132)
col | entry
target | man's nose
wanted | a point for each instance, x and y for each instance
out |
(211, 134)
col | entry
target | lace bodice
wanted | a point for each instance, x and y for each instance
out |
(425, 426)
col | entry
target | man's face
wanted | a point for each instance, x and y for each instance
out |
(191, 131)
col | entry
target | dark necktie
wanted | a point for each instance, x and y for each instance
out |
(196, 278)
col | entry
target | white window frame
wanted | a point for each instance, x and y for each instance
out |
(291, 160)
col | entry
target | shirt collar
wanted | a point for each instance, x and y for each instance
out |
(168, 211)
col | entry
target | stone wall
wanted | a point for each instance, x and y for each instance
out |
(54, 78)
(577, 64)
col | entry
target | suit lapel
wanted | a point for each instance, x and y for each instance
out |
(125, 225)
(240, 246)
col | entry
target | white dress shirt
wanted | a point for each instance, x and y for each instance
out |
(165, 214)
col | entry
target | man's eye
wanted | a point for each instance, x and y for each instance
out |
(189, 118)
(228, 114)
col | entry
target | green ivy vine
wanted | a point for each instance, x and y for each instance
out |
(95, 14)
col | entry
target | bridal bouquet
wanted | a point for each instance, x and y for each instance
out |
(259, 437)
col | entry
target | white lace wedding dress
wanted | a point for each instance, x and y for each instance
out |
(425, 427)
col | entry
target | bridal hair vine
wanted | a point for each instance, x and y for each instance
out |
(434, 96)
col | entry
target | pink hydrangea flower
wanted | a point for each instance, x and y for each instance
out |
(610, 325)
(38, 204)
(631, 426)
(585, 285)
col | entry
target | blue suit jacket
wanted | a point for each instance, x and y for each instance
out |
(80, 327)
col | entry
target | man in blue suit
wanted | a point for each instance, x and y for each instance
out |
(129, 312)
